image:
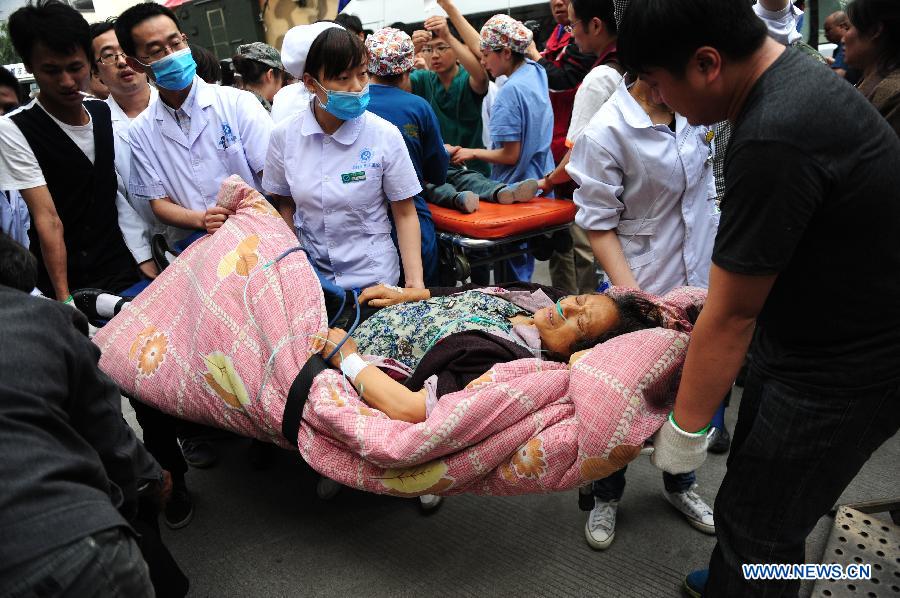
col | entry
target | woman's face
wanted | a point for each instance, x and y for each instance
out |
(354, 80)
(586, 317)
(859, 51)
(494, 62)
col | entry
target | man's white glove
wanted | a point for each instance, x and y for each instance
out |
(677, 451)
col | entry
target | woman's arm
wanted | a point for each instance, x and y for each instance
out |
(286, 208)
(409, 238)
(374, 386)
(608, 250)
(508, 154)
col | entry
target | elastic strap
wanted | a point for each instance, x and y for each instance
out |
(697, 433)
(297, 396)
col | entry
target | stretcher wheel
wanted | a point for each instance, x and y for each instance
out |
(461, 268)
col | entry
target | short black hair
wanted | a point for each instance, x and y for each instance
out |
(18, 267)
(635, 313)
(390, 79)
(867, 16)
(251, 71)
(7, 79)
(350, 22)
(604, 10)
(52, 23)
(335, 51)
(98, 29)
(134, 16)
(666, 33)
(208, 67)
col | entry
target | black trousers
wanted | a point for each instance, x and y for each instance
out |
(792, 455)
(160, 437)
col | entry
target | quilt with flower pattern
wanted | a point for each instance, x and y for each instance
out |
(219, 337)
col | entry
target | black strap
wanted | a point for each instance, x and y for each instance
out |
(297, 395)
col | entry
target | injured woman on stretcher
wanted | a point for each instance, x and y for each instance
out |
(439, 340)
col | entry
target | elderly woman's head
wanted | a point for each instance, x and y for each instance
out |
(588, 320)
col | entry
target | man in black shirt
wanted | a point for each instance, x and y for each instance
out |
(805, 266)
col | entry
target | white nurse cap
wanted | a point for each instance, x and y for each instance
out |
(296, 44)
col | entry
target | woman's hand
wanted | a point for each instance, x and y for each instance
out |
(420, 37)
(335, 336)
(437, 26)
(215, 217)
(383, 295)
(545, 185)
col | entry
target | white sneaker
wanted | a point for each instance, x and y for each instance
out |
(327, 488)
(600, 529)
(429, 502)
(694, 509)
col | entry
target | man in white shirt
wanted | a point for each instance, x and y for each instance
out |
(58, 151)
(129, 95)
(184, 145)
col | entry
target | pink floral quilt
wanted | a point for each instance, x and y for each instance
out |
(219, 337)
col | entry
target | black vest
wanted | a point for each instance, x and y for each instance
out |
(85, 198)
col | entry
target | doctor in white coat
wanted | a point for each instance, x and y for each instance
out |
(195, 135)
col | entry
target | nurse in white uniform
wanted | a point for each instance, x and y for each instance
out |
(335, 168)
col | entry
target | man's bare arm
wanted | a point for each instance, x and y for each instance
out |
(50, 233)
(719, 344)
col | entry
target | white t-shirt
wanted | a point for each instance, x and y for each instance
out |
(597, 87)
(19, 169)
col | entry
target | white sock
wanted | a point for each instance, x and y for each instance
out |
(106, 305)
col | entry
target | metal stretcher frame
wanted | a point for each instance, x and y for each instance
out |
(459, 254)
(493, 234)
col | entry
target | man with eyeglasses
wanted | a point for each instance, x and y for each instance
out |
(196, 135)
(58, 152)
(129, 95)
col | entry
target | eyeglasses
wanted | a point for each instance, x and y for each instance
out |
(436, 49)
(175, 46)
(111, 57)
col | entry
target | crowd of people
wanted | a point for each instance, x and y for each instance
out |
(702, 142)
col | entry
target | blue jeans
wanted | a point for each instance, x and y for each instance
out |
(792, 455)
(106, 564)
(613, 486)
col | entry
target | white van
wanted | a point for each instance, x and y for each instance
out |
(376, 14)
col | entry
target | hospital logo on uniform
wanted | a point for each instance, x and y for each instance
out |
(228, 138)
(365, 155)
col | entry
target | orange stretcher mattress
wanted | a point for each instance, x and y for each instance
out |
(497, 221)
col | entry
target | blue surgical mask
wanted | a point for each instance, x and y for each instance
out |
(176, 71)
(346, 105)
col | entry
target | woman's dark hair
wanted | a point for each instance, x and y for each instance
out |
(134, 16)
(335, 51)
(18, 267)
(349, 22)
(604, 10)
(52, 23)
(666, 33)
(208, 67)
(635, 313)
(251, 71)
(868, 16)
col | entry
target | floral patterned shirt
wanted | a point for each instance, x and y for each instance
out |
(405, 332)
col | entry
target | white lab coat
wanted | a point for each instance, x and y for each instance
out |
(229, 134)
(654, 187)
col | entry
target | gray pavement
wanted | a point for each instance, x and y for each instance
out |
(264, 533)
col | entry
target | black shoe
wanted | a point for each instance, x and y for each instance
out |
(86, 302)
(719, 441)
(158, 249)
(180, 509)
(199, 453)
